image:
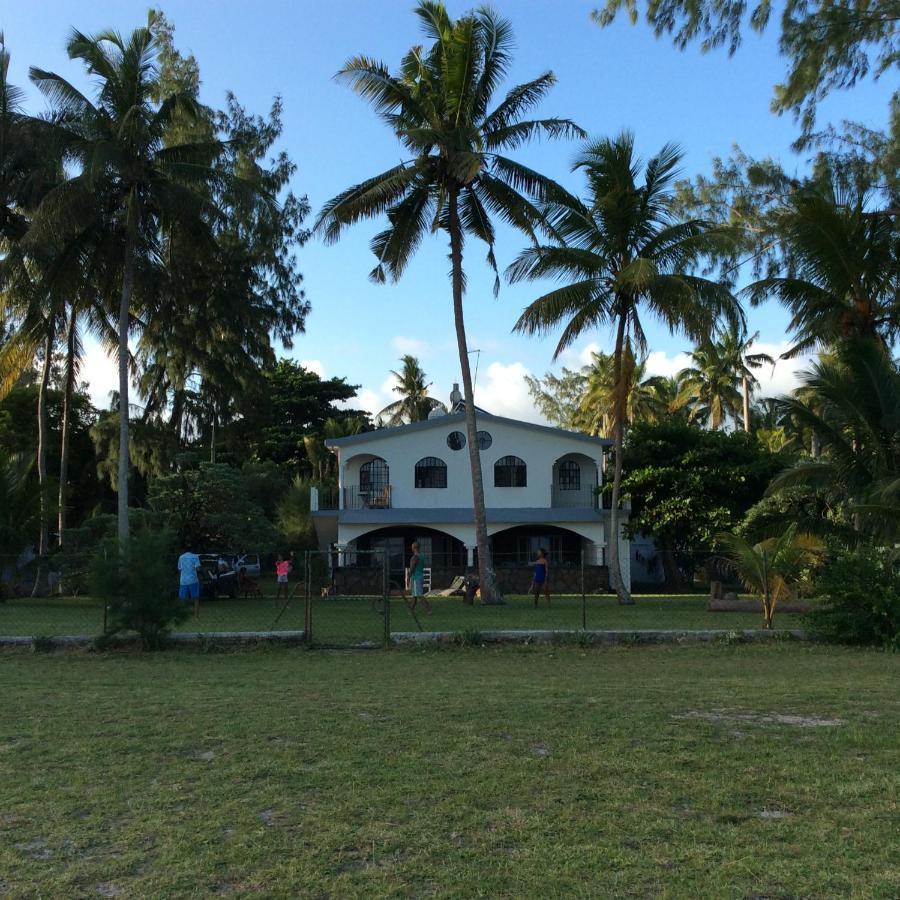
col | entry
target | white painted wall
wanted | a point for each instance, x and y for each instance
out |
(401, 451)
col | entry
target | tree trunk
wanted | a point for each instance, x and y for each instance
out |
(671, 572)
(487, 577)
(68, 393)
(746, 386)
(212, 441)
(615, 571)
(43, 535)
(124, 310)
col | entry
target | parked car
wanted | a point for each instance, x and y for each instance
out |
(249, 562)
(218, 577)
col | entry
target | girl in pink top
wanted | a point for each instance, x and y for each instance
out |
(282, 569)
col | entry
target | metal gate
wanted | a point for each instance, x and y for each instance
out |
(347, 598)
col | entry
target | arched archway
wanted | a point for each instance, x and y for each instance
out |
(442, 551)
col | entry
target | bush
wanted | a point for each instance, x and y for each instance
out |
(138, 585)
(860, 590)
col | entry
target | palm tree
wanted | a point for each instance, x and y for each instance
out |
(127, 175)
(850, 401)
(710, 386)
(771, 567)
(846, 261)
(735, 345)
(645, 401)
(438, 105)
(414, 403)
(621, 253)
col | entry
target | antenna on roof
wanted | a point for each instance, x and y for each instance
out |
(477, 361)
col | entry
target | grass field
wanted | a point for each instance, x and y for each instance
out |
(349, 619)
(716, 771)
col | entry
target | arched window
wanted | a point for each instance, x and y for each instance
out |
(509, 471)
(374, 476)
(431, 472)
(569, 475)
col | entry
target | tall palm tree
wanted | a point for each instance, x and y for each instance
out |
(735, 346)
(846, 261)
(414, 403)
(621, 253)
(127, 175)
(710, 386)
(456, 176)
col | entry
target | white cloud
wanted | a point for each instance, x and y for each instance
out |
(660, 363)
(412, 346)
(314, 365)
(786, 374)
(101, 372)
(502, 391)
(575, 358)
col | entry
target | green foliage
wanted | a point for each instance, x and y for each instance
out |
(860, 592)
(137, 581)
(850, 400)
(688, 485)
(774, 567)
(815, 511)
(211, 509)
(294, 520)
(290, 403)
(19, 499)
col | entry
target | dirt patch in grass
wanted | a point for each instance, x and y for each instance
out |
(730, 716)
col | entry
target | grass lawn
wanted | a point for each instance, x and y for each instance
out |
(715, 771)
(357, 619)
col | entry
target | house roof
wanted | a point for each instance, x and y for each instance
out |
(455, 418)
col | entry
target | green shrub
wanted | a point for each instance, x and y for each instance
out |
(860, 592)
(138, 583)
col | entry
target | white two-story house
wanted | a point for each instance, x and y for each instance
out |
(413, 483)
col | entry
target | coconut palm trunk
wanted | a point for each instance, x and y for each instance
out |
(68, 393)
(124, 311)
(43, 525)
(745, 384)
(487, 577)
(615, 570)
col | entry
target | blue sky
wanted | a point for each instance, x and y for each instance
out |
(608, 79)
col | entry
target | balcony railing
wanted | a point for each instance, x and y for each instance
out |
(580, 498)
(356, 497)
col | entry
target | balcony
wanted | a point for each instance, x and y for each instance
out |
(356, 497)
(579, 498)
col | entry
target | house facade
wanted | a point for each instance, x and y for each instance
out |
(413, 482)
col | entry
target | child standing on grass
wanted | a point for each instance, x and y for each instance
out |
(189, 580)
(282, 570)
(417, 579)
(540, 580)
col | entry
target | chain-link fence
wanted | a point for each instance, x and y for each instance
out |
(346, 598)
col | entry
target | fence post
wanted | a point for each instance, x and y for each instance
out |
(307, 602)
(583, 598)
(386, 594)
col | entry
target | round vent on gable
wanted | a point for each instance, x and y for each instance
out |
(456, 440)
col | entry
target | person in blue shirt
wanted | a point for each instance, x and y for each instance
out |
(189, 581)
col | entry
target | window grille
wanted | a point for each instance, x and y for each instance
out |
(431, 472)
(569, 475)
(510, 471)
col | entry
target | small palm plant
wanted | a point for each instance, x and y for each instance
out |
(772, 567)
